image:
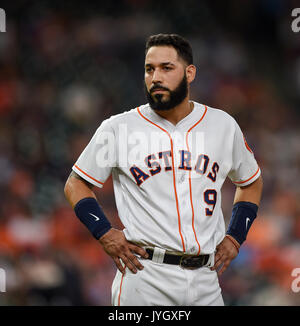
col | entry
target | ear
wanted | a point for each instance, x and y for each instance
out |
(190, 71)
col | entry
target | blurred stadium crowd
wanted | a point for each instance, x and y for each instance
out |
(65, 68)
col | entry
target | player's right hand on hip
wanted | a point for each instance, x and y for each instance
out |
(116, 245)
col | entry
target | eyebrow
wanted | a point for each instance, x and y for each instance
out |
(161, 64)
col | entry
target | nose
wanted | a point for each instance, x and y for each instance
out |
(156, 77)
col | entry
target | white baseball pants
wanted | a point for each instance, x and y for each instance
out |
(160, 284)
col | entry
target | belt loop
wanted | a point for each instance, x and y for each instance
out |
(211, 260)
(158, 255)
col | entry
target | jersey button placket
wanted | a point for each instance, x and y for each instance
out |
(178, 144)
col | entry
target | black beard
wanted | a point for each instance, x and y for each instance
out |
(175, 97)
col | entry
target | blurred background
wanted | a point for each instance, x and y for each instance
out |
(65, 67)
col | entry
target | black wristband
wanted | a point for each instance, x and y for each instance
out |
(91, 215)
(243, 215)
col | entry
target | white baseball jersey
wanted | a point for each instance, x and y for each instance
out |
(167, 178)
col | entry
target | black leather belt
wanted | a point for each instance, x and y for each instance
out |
(185, 261)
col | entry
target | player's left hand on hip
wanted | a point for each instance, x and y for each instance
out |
(226, 252)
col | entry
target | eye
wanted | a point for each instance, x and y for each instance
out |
(148, 69)
(167, 68)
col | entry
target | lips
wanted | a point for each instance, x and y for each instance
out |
(156, 90)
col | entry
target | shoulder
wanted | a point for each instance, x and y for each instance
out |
(220, 114)
(219, 118)
(124, 117)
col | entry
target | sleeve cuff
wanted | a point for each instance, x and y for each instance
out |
(248, 181)
(87, 177)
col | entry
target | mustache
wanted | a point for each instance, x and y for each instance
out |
(157, 86)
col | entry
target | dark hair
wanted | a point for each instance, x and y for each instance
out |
(180, 44)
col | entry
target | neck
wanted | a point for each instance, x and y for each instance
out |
(178, 112)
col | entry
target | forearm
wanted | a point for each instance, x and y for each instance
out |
(251, 193)
(76, 189)
(246, 202)
(83, 200)
(79, 193)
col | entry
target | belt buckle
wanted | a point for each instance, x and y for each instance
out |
(190, 262)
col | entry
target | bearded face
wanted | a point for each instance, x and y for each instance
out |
(161, 98)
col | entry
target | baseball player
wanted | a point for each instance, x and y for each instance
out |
(168, 159)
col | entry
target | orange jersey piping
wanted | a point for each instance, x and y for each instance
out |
(88, 175)
(174, 179)
(240, 182)
(190, 182)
